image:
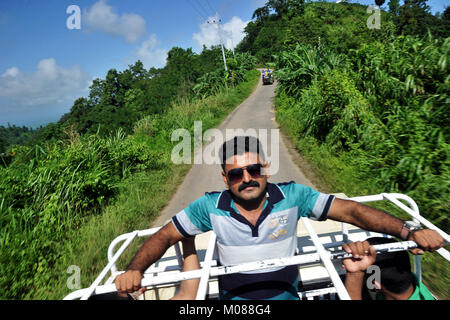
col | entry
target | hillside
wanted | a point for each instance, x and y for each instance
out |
(340, 27)
(105, 167)
(367, 107)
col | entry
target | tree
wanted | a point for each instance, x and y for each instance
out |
(111, 85)
(135, 102)
(446, 14)
(295, 7)
(251, 32)
(413, 18)
(394, 6)
(280, 6)
(3, 145)
(261, 14)
(80, 109)
(138, 71)
(95, 91)
(379, 2)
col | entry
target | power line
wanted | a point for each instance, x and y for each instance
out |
(203, 8)
(210, 7)
(198, 12)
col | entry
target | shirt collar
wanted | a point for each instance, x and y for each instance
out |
(274, 195)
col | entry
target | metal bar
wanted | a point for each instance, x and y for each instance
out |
(111, 248)
(413, 205)
(372, 198)
(270, 263)
(412, 213)
(244, 267)
(317, 292)
(94, 285)
(179, 254)
(201, 292)
(391, 197)
(325, 257)
(344, 231)
(380, 249)
(123, 237)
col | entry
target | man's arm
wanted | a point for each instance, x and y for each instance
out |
(150, 252)
(376, 220)
(188, 288)
(365, 217)
(356, 268)
(354, 284)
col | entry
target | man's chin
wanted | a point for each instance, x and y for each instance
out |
(250, 193)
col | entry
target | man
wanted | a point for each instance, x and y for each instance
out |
(256, 220)
(397, 282)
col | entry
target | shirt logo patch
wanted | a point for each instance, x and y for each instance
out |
(275, 222)
(278, 233)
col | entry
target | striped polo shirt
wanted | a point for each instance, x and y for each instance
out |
(273, 236)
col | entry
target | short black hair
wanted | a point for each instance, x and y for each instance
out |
(395, 267)
(239, 145)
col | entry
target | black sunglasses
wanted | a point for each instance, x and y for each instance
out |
(236, 175)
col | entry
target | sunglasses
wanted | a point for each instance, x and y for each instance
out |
(237, 174)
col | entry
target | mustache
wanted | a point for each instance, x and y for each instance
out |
(250, 184)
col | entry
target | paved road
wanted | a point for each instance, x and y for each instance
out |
(255, 112)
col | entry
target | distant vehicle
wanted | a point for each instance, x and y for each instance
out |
(266, 75)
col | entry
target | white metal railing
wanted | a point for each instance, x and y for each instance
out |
(209, 268)
(204, 279)
(326, 260)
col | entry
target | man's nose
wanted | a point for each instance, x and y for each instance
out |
(246, 177)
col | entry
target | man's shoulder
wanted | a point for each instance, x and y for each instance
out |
(288, 188)
(212, 196)
(208, 201)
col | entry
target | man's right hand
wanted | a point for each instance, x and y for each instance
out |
(364, 255)
(129, 282)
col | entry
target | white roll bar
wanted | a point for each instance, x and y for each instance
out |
(208, 270)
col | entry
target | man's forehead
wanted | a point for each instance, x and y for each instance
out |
(242, 160)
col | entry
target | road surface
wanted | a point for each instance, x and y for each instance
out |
(256, 112)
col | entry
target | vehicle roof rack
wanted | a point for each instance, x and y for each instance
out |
(165, 273)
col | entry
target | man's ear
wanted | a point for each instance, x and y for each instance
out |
(265, 170)
(225, 180)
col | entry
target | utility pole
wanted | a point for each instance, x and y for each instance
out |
(217, 21)
(232, 44)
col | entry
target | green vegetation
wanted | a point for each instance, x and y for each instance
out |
(367, 107)
(12, 135)
(88, 176)
(281, 24)
(124, 97)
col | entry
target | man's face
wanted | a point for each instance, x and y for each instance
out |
(248, 187)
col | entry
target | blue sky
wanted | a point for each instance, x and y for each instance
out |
(44, 66)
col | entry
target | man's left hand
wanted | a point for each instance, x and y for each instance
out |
(426, 239)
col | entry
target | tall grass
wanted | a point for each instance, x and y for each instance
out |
(61, 204)
(376, 121)
(389, 110)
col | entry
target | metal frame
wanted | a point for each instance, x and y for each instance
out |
(209, 268)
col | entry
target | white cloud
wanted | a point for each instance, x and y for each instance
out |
(150, 54)
(232, 33)
(101, 17)
(11, 72)
(49, 85)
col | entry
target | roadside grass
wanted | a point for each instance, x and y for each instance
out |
(142, 196)
(341, 173)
